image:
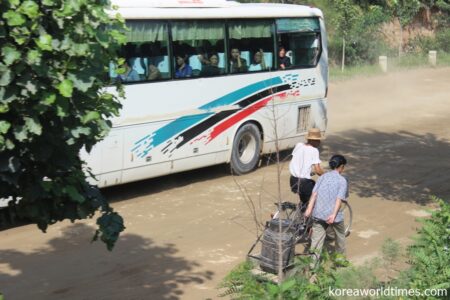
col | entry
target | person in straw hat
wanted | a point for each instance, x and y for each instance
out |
(305, 158)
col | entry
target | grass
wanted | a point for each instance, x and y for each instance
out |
(353, 71)
(406, 62)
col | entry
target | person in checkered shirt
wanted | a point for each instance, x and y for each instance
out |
(328, 193)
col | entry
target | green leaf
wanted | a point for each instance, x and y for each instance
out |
(2, 145)
(82, 83)
(62, 108)
(14, 3)
(44, 42)
(14, 18)
(65, 88)
(20, 133)
(7, 94)
(10, 54)
(92, 115)
(34, 57)
(287, 285)
(9, 145)
(273, 289)
(20, 34)
(48, 2)
(6, 77)
(74, 194)
(80, 49)
(118, 36)
(4, 126)
(31, 87)
(3, 108)
(80, 131)
(48, 99)
(30, 8)
(33, 126)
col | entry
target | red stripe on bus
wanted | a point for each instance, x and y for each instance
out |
(241, 115)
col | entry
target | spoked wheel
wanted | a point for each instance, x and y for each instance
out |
(348, 216)
(246, 149)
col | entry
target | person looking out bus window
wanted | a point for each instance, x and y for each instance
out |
(329, 192)
(153, 73)
(183, 70)
(283, 60)
(237, 63)
(129, 75)
(258, 62)
(212, 67)
(305, 158)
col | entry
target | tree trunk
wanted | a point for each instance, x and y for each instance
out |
(400, 44)
(343, 55)
(277, 151)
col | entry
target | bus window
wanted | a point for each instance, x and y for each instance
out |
(198, 48)
(145, 53)
(298, 42)
(251, 45)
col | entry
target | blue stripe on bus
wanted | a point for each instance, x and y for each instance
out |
(241, 93)
(166, 132)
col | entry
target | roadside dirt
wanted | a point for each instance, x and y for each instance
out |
(185, 232)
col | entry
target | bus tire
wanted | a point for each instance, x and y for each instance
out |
(246, 149)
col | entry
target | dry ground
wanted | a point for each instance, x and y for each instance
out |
(186, 231)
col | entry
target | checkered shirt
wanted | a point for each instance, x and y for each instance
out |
(329, 187)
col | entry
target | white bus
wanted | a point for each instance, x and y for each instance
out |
(205, 82)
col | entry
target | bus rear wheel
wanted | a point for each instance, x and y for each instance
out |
(246, 149)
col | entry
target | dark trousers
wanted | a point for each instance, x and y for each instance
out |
(303, 187)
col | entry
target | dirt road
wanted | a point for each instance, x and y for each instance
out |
(186, 231)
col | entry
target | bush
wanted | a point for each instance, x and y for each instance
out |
(430, 254)
(443, 40)
(422, 44)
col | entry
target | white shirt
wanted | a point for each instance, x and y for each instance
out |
(303, 157)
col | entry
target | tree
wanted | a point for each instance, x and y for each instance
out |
(346, 16)
(54, 57)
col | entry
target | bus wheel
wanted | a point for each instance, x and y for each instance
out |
(246, 149)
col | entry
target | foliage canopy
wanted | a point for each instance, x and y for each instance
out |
(54, 55)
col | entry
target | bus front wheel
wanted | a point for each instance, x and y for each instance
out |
(246, 149)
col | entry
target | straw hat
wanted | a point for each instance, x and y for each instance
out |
(314, 134)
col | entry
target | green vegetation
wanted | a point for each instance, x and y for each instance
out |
(54, 56)
(428, 258)
(354, 71)
(357, 36)
(408, 61)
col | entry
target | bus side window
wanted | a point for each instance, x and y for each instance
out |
(145, 52)
(197, 46)
(300, 39)
(251, 45)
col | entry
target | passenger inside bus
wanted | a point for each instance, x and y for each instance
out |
(237, 63)
(129, 75)
(212, 66)
(283, 61)
(258, 62)
(183, 70)
(202, 52)
(153, 72)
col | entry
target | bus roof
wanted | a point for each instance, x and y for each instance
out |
(209, 9)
